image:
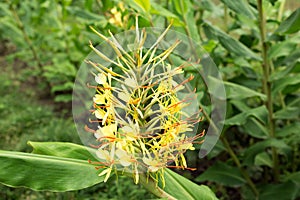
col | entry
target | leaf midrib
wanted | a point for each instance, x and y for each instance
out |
(178, 183)
(28, 156)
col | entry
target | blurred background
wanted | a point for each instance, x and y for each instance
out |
(44, 42)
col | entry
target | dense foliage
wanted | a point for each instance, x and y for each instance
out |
(255, 45)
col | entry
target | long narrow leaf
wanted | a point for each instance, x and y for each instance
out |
(40, 172)
(291, 24)
(176, 185)
(224, 174)
(240, 7)
(228, 42)
(182, 188)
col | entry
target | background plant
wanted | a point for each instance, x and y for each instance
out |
(255, 44)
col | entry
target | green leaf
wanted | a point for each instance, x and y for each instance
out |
(86, 15)
(40, 172)
(233, 91)
(224, 174)
(209, 45)
(10, 31)
(176, 185)
(284, 191)
(231, 44)
(63, 98)
(218, 148)
(192, 27)
(255, 128)
(207, 5)
(182, 188)
(291, 66)
(291, 24)
(260, 147)
(62, 87)
(282, 49)
(241, 118)
(235, 47)
(240, 105)
(159, 10)
(4, 9)
(295, 177)
(288, 130)
(144, 4)
(273, 2)
(281, 84)
(181, 6)
(263, 159)
(288, 112)
(240, 7)
(62, 149)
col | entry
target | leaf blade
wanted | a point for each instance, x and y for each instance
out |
(224, 174)
(70, 150)
(231, 44)
(40, 172)
(240, 7)
(291, 24)
(182, 188)
(144, 4)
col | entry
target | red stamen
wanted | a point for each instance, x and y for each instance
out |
(91, 86)
(181, 167)
(89, 129)
(95, 121)
(184, 82)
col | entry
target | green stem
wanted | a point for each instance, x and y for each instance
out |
(99, 4)
(267, 86)
(233, 156)
(281, 10)
(239, 165)
(61, 13)
(187, 31)
(226, 18)
(151, 185)
(189, 38)
(26, 38)
(166, 19)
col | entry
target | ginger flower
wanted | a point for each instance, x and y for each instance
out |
(143, 118)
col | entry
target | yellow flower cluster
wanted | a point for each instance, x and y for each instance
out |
(141, 122)
(116, 16)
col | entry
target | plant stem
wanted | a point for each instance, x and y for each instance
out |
(27, 39)
(151, 185)
(239, 165)
(61, 16)
(189, 38)
(267, 86)
(189, 34)
(280, 11)
(226, 18)
(233, 156)
(166, 19)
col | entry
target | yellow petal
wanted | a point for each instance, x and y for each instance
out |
(124, 96)
(130, 82)
(103, 154)
(100, 79)
(99, 99)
